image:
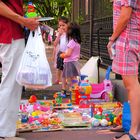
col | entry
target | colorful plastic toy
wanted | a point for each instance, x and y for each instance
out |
(32, 99)
(31, 12)
(57, 99)
(83, 91)
(103, 90)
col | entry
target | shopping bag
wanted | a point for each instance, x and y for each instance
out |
(126, 117)
(34, 70)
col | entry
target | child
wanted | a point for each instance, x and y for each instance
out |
(72, 54)
(61, 41)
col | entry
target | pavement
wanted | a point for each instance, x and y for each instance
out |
(71, 135)
(94, 134)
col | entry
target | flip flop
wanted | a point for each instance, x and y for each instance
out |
(131, 137)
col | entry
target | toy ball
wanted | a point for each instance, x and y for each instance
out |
(104, 122)
(109, 123)
(95, 122)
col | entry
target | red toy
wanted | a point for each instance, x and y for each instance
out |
(32, 99)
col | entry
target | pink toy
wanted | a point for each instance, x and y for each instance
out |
(37, 106)
(103, 89)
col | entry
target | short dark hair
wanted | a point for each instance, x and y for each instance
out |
(74, 32)
(64, 19)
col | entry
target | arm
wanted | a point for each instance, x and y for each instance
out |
(8, 13)
(57, 40)
(122, 22)
(67, 53)
(60, 32)
(54, 53)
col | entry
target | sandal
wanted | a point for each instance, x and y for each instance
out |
(131, 137)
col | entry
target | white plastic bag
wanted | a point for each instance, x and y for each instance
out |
(91, 69)
(34, 71)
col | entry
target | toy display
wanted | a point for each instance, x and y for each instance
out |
(60, 114)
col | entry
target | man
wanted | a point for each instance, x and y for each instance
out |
(11, 48)
(126, 37)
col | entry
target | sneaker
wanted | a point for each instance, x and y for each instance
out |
(68, 92)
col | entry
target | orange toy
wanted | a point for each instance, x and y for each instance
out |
(32, 99)
(62, 55)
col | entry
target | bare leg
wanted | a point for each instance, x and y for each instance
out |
(58, 76)
(59, 72)
(133, 87)
(64, 86)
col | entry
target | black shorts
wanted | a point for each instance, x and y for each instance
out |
(59, 62)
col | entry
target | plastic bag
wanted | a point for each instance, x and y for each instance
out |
(126, 117)
(91, 69)
(34, 70)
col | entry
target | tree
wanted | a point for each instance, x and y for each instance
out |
(53, 8)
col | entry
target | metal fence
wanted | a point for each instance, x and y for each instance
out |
(102, 24)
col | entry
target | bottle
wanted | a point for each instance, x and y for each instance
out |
(113, 51)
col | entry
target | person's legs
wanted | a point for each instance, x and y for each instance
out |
(10, 90)
(59, 73)
(133, 88)
(64, 86)
(58, 76)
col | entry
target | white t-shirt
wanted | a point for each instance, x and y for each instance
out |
(63, 43)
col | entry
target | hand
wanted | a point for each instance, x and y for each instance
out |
(60, 31)
(52, 58)
(109, 47)
(30, 23)
(62, 55)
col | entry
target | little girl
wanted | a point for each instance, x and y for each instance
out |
(72, 54)
(62, 42)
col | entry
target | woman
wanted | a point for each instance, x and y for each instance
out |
(126, 37)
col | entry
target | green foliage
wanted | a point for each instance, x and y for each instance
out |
(52, 8)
